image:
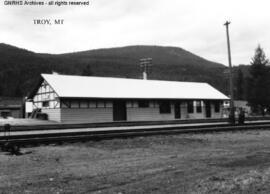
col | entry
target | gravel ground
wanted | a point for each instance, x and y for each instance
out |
(231, 162)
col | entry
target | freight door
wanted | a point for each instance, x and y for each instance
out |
(119, 110)
(177, 110)
(208, 109)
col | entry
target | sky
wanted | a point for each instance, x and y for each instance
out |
(194, 25)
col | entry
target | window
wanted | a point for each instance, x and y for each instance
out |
(74, 103)
(143, 104)
(217, 107)
(101, 104)
(84, 104)
(199, 106)
(164, 107)
(190, 107)
(92, 104)
(108, 104)
(45, 104)
(65, 104)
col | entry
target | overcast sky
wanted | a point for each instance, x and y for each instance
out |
(194, 25)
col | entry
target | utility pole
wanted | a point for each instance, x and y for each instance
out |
(231, 116)
(145, 63)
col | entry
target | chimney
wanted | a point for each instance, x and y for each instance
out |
(145, 75)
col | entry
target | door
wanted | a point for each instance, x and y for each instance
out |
(177, 110)
(208, 109)
(119, 110)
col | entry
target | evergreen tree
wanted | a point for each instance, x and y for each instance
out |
(258, 83)
(1, 90)
(18, 91)
(87, 71)
(240, 85)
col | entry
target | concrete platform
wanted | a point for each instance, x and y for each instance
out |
(119, 128)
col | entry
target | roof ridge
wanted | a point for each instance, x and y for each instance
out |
(120, 78)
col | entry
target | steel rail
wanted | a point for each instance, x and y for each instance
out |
(99, 135)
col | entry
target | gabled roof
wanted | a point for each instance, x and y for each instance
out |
(67, 86)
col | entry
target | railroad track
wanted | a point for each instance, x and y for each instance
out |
(124, 124)
(76, 136)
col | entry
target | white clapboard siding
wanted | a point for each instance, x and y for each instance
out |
(98, 115)
(214, 114)
(53, 114)
(91, 115)
(148, 114)
(197, 115)
(184, 111)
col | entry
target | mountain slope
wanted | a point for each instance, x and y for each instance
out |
(160, 55)
(20, 69)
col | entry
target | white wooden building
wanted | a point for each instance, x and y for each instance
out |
(81, 99)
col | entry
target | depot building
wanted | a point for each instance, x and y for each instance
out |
(82, 99)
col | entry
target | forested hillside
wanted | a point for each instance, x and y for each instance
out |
(20, 69)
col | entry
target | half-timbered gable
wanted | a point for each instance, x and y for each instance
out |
(46, 97)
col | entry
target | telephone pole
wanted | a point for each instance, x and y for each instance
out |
(145, 63)
(231, 115)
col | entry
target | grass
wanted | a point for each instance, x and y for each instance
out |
(228, 162)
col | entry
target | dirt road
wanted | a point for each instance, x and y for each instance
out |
(236, 162)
